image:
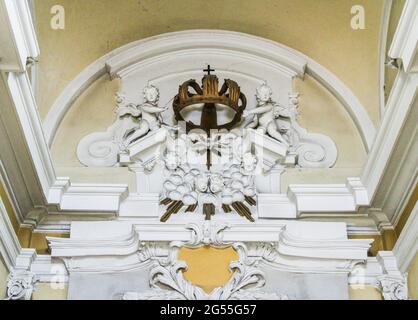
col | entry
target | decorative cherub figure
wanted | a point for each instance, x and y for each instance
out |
(148, 115)
(265, 114)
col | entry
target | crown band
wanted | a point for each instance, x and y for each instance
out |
(230, 96)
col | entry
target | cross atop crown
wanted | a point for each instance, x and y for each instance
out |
(208, 70)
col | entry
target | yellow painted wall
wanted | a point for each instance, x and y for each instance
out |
(4, 198)
(360, 292)
(413, 279)
(37, 240)
(407, 211)
(3, 278)
(208, 267)
(44, 291)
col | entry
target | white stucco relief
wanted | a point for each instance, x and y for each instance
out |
(143, 263)
(144, 136)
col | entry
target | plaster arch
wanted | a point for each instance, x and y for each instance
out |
(121, 62)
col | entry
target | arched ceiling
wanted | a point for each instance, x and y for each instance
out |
(320, 29)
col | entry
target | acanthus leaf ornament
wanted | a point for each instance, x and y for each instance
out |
(168, 283)
(20, 285)
(207, 234)
(393, 287)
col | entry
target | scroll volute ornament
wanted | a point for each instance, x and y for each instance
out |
(230, 96)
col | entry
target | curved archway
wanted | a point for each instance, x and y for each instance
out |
(120, 62)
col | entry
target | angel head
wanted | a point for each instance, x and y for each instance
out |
(151, 94)
(264, 93)
(172, 161)
(249, 163)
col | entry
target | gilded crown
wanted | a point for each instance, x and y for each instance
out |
(230, 94)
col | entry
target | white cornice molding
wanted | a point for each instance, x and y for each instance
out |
(396, 168)
(319, 247)
(27, 111)
(405, 179)
(405, 199)
(302, 247)
(406, 247)
(56, 190)
(288, 248)
(400, 102)
(329, 197)
(281, 232)
(405, 42)
(27, 27)
(93, 197)
(17, 35)
(151, 49)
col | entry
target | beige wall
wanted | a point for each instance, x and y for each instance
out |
(413, 279)
(4, 198)
(320, 112)
(321, 29)
(78, 122)
(44, 291)
(361, 292)
(3, 278)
